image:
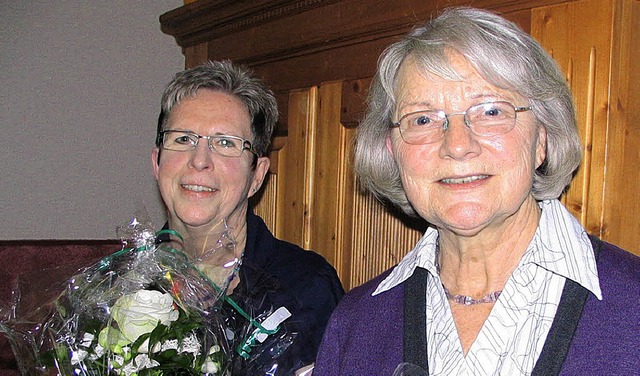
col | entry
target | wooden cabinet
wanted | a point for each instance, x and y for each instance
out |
(319, 57)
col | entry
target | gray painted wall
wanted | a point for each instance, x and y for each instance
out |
(80, 87)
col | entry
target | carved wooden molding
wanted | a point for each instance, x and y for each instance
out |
(263, 31)
(204, 20)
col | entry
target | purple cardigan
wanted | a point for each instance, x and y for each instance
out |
(365, 333)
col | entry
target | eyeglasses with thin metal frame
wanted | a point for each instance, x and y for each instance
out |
(225, 145)
(484, 119)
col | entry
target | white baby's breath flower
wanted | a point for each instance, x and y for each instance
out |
(210, 367)
(190, 344)
(78, 356)
(143, 361)
(171, 344)
(87, 339)
(98, 350)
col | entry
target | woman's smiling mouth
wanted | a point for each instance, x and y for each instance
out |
(464, 180)
(196, 188)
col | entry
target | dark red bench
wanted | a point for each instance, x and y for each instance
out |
(28, 258)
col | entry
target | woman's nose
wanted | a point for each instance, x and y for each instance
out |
(201, 156)
(459, 141)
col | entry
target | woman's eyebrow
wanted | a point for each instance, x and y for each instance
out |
(420, 104)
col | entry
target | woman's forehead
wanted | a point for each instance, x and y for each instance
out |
(416, 84)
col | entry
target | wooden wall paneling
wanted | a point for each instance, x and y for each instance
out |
(579, 39)
(621, 199)
(266, 203)
(328, 178)
(295, 164)
(342, 63)
(298, 45)
(379, 239)
(352, 109)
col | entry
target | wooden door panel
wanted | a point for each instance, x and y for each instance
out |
(380, 239)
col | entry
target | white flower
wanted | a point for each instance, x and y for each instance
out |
(140, 312)
(144, 347)
(143, 361)
(87, 339)
(78, 356)
(117, 361)
(98, 350)
(190, 344)
(129, 369)
(210, 366)
(171, 344)
(140, 362)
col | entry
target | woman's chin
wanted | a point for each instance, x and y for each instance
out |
(465, 229)
(192, 220)
(465, 221)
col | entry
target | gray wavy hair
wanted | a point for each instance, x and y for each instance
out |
(231, 79)
(506, 57)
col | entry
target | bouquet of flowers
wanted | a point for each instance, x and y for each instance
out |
(145, 310)
(148, 309)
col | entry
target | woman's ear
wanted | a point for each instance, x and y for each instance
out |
(389, 144)
(541, 147)
(259, 173)
(155, 161)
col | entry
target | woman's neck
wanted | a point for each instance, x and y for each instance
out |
(199, 240)
(482, 264)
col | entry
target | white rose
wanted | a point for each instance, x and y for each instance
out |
(139, 313)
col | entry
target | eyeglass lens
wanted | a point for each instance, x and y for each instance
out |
(230, 146)
(484, 119)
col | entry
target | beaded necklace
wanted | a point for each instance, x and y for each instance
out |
(468, 300)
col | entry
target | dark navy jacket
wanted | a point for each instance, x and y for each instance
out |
(275, 273)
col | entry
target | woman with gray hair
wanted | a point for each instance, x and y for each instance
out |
(213, 135)
(471, 127)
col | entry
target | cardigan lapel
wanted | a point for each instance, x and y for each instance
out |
(558, 342)
(415, 320)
